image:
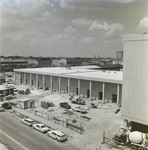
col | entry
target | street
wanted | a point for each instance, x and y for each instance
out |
(20, 136)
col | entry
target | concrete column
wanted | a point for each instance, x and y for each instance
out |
(15, 77)
(118, 93)
(90, 89)
(59, 85)
(68, 86)
(79, 87)
(51, 83)
(25, 78)
(37, 81)
(103, 92)
(19, 78)
(30, 80)
(43, 82)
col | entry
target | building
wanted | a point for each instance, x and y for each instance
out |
(119, 55)
(59, 62)
(9, 65)
(26, 103)
(5, 91)
(86, 82)
(44, 62)
(135, 82)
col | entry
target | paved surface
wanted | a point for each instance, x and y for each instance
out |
(46, 122)
(22, 137)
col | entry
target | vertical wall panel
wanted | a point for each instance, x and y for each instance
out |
(135, 80)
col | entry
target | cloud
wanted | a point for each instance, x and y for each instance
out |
(143, 23)
(61, 38)
(115, 30)
(108, 30)
(88, 40)
(65, 5)
(82, 22)
(70, 30)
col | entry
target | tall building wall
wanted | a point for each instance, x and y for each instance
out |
(135, 79)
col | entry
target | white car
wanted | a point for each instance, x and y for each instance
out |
(79, 109)
(28, 121)
(57, 135)
(40, 127)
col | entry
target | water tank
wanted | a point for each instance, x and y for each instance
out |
(119, 54)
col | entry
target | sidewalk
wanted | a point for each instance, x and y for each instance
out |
(46, 122)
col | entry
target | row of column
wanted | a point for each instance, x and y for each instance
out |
(79, 92)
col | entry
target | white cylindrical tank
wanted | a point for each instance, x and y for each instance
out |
(136, 137)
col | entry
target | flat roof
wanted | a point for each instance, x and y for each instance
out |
(24, 100)
(3, 87)
(74, 72)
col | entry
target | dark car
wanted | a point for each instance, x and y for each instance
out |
(65, 105)
(6, 106)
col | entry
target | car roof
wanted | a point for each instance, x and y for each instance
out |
(57, 132)
(40, 124)
(28, 119)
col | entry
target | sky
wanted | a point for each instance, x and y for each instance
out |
(69, 28)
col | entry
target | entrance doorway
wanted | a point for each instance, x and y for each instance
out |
(67, 89)
(76, 91)
(32, 83)
(100, 95)
(88, 93)
(114, 98)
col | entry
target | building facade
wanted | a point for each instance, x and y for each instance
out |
(135, 81)
(102, 85)
(9, 65)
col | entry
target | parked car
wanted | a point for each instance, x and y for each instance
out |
(58, 135)
(40, 127)
(79, 109)
(6, 106)
(79, 101)
(15, 89)
(1, 109)
(65, 105)
(28, 121)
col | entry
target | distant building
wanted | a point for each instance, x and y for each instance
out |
(44, 62)
(9, 65)
(119, 55)
(59, 62)
(74, 61)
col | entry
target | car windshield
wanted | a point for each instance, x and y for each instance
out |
(42, 126)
